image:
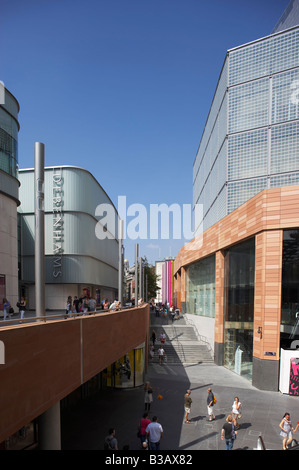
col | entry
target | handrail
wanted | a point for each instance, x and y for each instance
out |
(62, 315)
(201, 338)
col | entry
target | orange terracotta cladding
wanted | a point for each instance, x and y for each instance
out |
(263, 217)
(271, 209)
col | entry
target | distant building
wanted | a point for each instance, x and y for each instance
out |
(9, 197)
(239, 281)
(164, 271)
(250, 140)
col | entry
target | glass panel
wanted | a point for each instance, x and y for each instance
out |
(289, 328)
(128, 371)
(8, 153)
(248, 106)
(2, 290)
(139, 367)
(243, 150)
(201, 288)
(239, 308)
(285, 148)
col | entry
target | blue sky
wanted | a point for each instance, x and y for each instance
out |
(123, 88)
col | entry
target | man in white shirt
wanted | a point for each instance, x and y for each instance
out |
(161, 354)
(154, 433)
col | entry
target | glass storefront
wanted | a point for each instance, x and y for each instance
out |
(289, 327)
(128, 371)
(239, 308)
(201, 287)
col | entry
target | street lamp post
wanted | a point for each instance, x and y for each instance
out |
(39, 162)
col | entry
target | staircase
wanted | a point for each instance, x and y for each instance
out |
(182, 345)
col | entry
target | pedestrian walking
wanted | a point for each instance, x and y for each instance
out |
(22, 307)
(148, 396)
(6, 308)
(110, 442)
(210, 403)
(143, 424)
(162, 337)
(161, 354)
(236, 411)
(187, 405)
(68, 308)
(154, 434)
(154, 337)
(228, 433)
(76, 304)
(287, 430)
(152, 351)
(92, 304)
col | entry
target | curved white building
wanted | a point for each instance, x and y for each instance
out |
(9, 198)
(75, 259)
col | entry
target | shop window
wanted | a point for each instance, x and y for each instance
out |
(2, 290)
(289, 328)
(239, 308)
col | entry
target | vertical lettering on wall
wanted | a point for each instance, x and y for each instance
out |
(57, 198)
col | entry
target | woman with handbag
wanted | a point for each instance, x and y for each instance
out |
(287, 430)
(236, 411)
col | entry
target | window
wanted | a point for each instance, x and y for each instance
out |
(239, 308)
(2, 290)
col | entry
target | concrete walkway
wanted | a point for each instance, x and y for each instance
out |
(85, 427)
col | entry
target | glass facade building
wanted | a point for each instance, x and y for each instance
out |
(251, 138)
(238, 281)
(9, 196)
(9, 129)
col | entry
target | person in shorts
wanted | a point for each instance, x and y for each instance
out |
(187, 404)
(210, 404)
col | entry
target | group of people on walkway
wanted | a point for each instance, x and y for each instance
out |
(82, 304)
(87, 304)
(165, 310)
(150, 431)
(8, 310)
(229, 429)
(161, 350)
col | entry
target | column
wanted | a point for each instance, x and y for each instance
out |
(219, 307)
(49, 429)
(267, 309)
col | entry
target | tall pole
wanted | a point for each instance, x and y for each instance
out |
(146, 288)
(39, 165)
(136, 273)
(140, 278)
(120, 262)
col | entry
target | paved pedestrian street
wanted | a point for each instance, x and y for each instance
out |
(85, 427)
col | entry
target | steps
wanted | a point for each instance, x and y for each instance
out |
(182, 345)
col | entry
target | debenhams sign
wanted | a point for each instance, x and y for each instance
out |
(57, 222)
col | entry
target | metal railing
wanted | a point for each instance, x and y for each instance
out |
(62, 315)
